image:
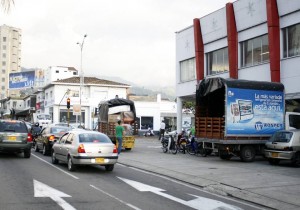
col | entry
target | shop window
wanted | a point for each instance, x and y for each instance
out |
(217, 61)
(187, 70)
(146, 122)
(255, 51)
(291, 41)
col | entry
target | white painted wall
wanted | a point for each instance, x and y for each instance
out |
(64, 73)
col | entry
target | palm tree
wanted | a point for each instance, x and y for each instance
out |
(6, 4)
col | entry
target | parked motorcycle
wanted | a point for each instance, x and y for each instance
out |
(149, 132)
(169, 144)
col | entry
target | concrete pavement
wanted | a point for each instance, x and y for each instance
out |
(276, 187)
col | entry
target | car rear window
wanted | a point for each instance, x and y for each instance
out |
(93, 138)
(13, 126)
(282, 137)
(59, 130)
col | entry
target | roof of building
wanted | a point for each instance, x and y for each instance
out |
(69, 68)
(90, 80)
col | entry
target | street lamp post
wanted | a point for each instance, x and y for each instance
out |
(81, 75)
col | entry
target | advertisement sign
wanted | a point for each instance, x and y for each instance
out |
(254, 112)
(76, 109)
(21, 80)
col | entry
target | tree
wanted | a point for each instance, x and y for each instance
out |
(189, 106)
(6, 4)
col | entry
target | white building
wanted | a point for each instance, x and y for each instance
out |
(246, 39)
(54, 73)
(93, 91)
(10, 56)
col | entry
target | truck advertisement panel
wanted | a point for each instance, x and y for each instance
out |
(253, 112)
(21, 80)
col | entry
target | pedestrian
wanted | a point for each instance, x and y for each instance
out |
(162, 130)
(119, 135)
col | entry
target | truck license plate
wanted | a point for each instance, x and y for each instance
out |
(274, 154)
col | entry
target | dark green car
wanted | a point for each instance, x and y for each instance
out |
(15, 137)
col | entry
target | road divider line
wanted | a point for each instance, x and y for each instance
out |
(75, 177)
(114, 197)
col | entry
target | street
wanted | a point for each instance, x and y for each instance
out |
(36, 183)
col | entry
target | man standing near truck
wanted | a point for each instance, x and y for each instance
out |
(119, 135)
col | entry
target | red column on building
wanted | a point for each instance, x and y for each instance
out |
(274, 39)
(232, 38)
(199, 50)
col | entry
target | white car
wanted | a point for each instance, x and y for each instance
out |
(84, 147)
(284, 145)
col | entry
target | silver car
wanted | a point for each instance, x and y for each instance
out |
(83, 147)
(284, 145)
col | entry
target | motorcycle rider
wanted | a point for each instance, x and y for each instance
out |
(35, 131)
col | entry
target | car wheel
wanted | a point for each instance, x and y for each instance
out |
(296, 160)
(273, 161)
(53, 158)
(36, 148)
(71, 165)
(44, 150)
(27, 153)
(248, 154)
(109, 167)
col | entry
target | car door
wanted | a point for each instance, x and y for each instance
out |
(59, 147)
(67, 146)
(40, 139)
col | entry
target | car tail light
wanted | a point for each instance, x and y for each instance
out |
(288, 148)
(51, 138)
(115, 150)
(29, 137)
(81, 149)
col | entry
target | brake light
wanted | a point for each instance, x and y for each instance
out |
(51, 138)
(29, 137)
(81, 149)
(115, 150)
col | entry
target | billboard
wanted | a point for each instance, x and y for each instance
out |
(254, 112)
(21, 80)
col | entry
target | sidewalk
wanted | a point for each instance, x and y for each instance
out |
(275, 187)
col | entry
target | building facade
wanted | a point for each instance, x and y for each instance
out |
(247, 39)
(10, 56)
(54, 73)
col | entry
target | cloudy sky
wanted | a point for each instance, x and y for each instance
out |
(131, 39)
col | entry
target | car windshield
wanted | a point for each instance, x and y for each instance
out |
(59, 130)
(13, 126)
(93, 138)
(281, 137)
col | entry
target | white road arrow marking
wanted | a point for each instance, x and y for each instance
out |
(198, 203)
(42, 190)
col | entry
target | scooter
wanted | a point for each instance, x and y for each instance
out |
(149, 132)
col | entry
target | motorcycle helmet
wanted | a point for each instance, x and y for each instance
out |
(37, 124)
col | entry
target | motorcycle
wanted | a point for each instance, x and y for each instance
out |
(169, 144)
(149, 132)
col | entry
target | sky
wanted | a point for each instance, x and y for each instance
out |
(130, 39)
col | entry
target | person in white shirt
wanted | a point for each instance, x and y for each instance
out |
(162, 130)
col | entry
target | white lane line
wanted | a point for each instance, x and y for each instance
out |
(50, 164)
(190, 186)
(114, 197)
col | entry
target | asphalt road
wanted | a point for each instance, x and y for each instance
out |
(36, 183)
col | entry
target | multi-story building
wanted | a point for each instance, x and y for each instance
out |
(247, 39)
(10, 56)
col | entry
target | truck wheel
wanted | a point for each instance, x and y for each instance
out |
(273, 161)
(225, 156)
(248, 154)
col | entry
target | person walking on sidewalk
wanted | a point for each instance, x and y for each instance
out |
(119, 135)
(162, 129)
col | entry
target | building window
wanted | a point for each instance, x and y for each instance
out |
(74, 73)
(3, 71)
(50, 94)
(146, 122)
(3, 79)
(291, 41)
(187, 70)
(46, 96)
(4, 39)
(3, 63)
(255, 51)
(57, 71)
(217, 61)
(4, 47)
(4, 55)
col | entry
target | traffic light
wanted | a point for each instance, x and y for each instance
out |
(68, 103)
